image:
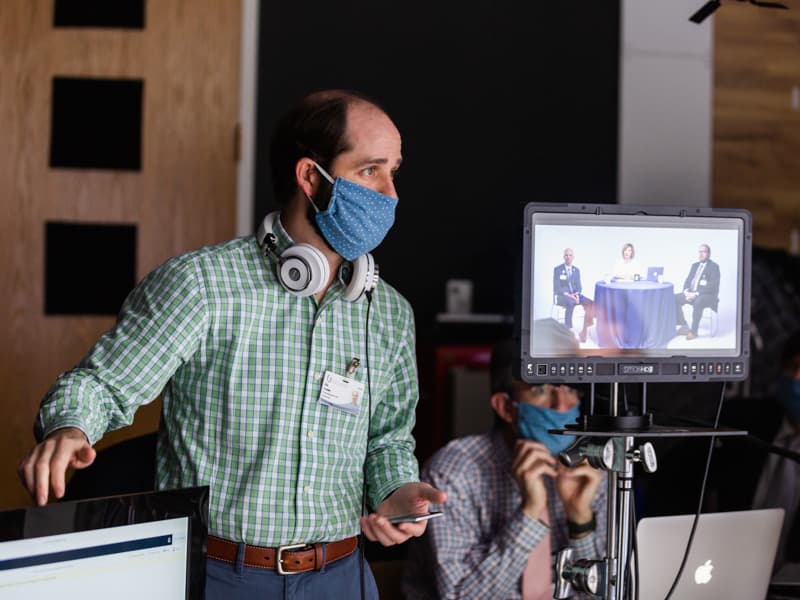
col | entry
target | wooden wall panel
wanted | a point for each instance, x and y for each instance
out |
(757, 117)
(184, 197)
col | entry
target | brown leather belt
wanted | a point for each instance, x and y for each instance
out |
(292, 558)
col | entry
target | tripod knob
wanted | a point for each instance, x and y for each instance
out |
(646, 455)
(582, 575)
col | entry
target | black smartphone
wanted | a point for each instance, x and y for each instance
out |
(414, 518)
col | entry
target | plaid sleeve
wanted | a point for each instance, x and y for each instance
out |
(159, 327)
(465, 564)
(390, 451)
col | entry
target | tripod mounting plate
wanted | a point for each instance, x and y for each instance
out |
(638, 426)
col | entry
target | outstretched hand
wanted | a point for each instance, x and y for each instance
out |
(408, 498)
(45, 466)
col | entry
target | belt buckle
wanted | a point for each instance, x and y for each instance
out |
(279, 558)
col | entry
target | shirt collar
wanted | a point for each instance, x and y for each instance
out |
(282, 238)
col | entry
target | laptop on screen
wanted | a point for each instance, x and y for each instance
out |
(731, 557)
(653, 273)
(149, 545)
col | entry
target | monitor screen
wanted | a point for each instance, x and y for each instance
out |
(149, 545)
(627, 293)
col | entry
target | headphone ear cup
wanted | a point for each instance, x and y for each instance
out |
(303, 270)
(363, 277)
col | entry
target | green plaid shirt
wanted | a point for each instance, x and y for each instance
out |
(239, 362)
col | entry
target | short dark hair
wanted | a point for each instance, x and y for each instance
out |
(315, 127)
(501, 372)
(500, 375)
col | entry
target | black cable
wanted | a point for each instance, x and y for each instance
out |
(635, 551)
(767, 447)
(367, 366)
(629, 579)
(702, 493)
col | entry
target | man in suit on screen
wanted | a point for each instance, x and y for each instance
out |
(701, 290)
(567, 290)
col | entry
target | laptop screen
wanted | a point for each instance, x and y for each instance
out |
(149, 545)
(731, 556)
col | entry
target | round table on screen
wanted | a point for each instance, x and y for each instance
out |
(634, 314)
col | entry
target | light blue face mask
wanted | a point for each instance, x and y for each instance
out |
(357, 218)
(534, 421)
(789, 397)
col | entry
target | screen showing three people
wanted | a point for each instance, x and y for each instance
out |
(655, 283)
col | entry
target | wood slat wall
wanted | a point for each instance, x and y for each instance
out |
(756, 162)
(183, 198)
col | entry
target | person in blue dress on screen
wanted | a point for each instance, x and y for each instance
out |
(627, 268)
(701, 290)
(567, 290)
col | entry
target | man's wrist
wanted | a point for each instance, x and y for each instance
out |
(532, 511)
(581, 529)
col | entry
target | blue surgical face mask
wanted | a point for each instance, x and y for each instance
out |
(534, 421)
(789, 397)
(357, 218)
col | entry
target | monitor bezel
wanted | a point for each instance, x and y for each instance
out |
(630, 367)
(124, 509)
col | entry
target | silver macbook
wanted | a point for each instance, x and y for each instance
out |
(653, 273)
(731, 556)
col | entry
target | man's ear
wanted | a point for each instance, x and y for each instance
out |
(306, 176)
(502, 405)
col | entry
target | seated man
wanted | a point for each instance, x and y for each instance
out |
(701, 290)
(567, 290)
(510, 503)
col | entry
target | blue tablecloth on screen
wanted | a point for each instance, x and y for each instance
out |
(634, 314)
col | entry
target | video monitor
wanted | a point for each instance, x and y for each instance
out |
(634, 293)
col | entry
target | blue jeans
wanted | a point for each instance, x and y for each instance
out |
(340, 579)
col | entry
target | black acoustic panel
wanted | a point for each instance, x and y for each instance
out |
(126, 14)
(89, 268)
(96, 123)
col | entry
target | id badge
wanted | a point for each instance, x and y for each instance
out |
(341, 392)
(563, 277)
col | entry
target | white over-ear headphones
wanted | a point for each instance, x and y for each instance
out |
(303, 270)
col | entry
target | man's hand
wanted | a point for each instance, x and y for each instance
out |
(577, 487)
(532, 461)
(408, 498)
(690, 296)
(45, 466)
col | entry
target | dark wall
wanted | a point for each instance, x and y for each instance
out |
(498, 105)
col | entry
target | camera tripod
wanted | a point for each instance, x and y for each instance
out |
(608, 442)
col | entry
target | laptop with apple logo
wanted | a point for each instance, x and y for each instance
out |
(732, 555)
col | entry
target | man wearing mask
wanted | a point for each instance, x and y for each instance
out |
(511, 503)
(261, 348)
(779, 485)
(701, 290)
